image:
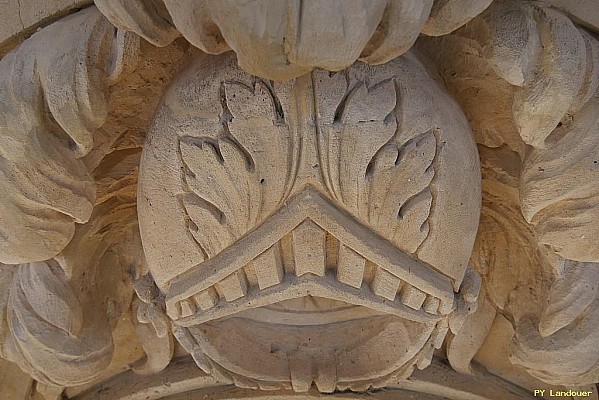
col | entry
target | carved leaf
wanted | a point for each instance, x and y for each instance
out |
(399, 195)
(50, 297)
(49, 331)
(365, 124)
(559, 191)
(217, 180)
(50, 106)
(378, 177)
(572, 293)
(568, 357)
(239, 177)
(591, 77)
(515, 270)
(355, 123)
(258, 125)
(544, 100)
(515, 44)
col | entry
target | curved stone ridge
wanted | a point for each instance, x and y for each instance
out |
(285, 39)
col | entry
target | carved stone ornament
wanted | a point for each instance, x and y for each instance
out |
(284, 199)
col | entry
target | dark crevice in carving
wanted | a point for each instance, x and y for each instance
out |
(194, 199)
(339, 112)
(276, 103)
(200, 142)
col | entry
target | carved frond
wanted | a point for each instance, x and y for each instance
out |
(572, 293)
(400, 198)
(207, 225)
(51, 105)
(219, 182)
(258, 125)
(238, 177)
(49, 297)
(544, 100)
(355, 126)
(49, 330)
(559, 191)
(568, 357)
(379, 177)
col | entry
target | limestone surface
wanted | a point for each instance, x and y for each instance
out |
(284, 199)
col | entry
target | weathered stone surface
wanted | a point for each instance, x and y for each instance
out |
(20, 18)
(297, 199)
(281, 39)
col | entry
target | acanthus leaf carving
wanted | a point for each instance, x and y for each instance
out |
(362, 123)
(549, 93)
(238, 176)
(49, 298)
(574, 290)
(380, 175)
(48, 329)
(281, 187)
(558, 190)
(572, 350)
(400, 197)
(546, 70)
(51, 106)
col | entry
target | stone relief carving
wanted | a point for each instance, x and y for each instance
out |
(312, 210)
(551, 66)
(282, 40)
(315, 197)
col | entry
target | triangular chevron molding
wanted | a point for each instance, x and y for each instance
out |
(398, 285)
